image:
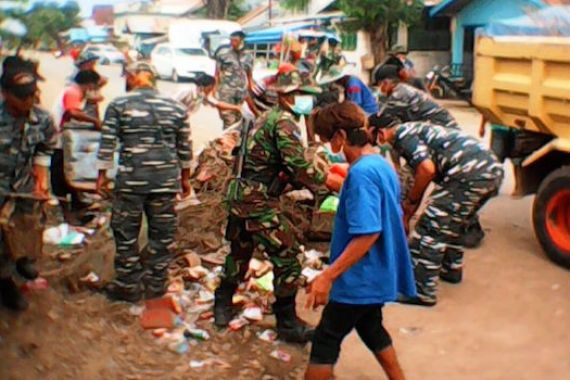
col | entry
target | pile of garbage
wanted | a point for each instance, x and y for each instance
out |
(184, 317)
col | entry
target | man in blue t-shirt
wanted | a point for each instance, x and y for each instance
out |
(371, 264)
(354, 89)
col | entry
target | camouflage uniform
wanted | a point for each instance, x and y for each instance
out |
(23, 144)
(154, 137)
(333, 58)
(233, 67)
(411, 104)
(273, 147)
(468, 175)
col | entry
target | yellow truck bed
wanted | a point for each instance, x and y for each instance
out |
(524, 82)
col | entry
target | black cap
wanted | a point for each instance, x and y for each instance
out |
(385, 118)
(387, 72)
(19, 81)
(239, 34)
(87, 77)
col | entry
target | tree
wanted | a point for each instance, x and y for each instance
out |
(374, 16)
(377, 16)
(217, 9)
(46, 21)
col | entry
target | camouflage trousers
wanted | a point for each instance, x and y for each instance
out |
(134, 268)
(280, 244)
(232, 96)
(435, 244)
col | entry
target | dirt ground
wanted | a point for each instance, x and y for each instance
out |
(508, 319)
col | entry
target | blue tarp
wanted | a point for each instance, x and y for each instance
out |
(551, 21)
(275, 34)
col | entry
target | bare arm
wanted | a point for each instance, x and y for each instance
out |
(353, 253)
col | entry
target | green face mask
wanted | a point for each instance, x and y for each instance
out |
(304, 104)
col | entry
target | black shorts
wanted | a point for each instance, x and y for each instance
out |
(337, 322)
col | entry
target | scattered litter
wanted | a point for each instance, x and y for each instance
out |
(158, 318)
(197, 364)
(310, 274)
(281, 356)
(258, 268)
(192, 259)
(91, 278)
(39, 283)
(159, 332)
(330, 204)
(190, 200)
(264, 283)
(206, 315)
(205, 297)
(197, 334)
(63, 235)
(179, 347)
(136, 310)
(238, 323)
(269, 336)
(300, 195)
(410, 330)
(253, 313)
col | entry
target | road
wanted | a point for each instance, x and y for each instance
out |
(509, 319)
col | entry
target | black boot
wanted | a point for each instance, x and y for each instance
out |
(25, 267)
(451, 276)
(473, 235)
(117, 293)
(224, 310)
(290, 328)
(12, 298)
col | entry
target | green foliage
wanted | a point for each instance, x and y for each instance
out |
(371, 14)
(236, 10)
(295, 5)
(45, 21)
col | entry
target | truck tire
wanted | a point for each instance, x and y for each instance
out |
(551, 216)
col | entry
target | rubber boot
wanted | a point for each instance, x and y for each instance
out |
(25, 268)
(12, 298)
(289, 327)
(452, 276)
(473, 235)
(224, 310)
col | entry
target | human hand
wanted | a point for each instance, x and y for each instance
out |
(318, 291)
(102, 187)
(186, 188)
(334, 182)
(41, 187)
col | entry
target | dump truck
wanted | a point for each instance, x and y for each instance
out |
(523, 83)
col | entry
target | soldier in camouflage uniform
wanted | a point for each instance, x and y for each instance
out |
(408, 103)
(466, 176)
(27, 139)
(234, 77)
(274, 150)
(154, 163)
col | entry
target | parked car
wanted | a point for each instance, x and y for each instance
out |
(176, 63)
(108, 54)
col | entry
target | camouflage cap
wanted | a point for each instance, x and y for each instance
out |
(86, 56)
(140, 67)
(289, 81)
(334, 74)
(398, 49)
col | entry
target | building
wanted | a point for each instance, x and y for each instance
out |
(139, 20)
(465, 16)
(102, 15)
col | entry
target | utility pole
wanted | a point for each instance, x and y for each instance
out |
(270, 8)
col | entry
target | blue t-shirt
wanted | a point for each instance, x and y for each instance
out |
(370, 204)
(359, 93)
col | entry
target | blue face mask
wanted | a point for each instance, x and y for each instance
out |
(303, 104)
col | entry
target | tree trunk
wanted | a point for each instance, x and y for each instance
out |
(218, 9)
(379, 42)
